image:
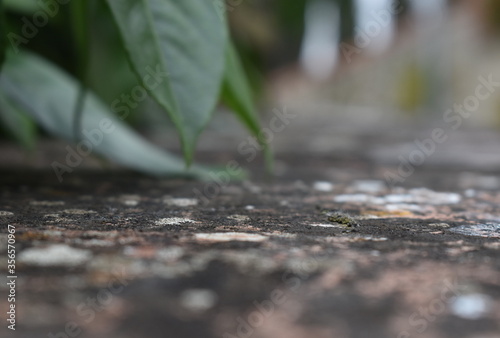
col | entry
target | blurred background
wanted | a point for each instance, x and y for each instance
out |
(416, 57)
(341, 64)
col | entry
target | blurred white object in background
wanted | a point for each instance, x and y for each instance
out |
(319, 53)
(375, 25)
(434, 35)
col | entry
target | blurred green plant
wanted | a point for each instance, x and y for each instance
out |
(180, 54)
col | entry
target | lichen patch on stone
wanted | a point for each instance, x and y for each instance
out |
(173, 221)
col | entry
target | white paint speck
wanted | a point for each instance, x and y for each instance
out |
(249, 207)
(230, 236)
(55, 255)
(180, 202)
(6, 213)
(472, 306)
(323, 186)
(173, 221)
(198, 300)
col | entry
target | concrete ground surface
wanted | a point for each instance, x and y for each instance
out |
(332, 246)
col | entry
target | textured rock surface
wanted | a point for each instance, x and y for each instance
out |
(119, 255)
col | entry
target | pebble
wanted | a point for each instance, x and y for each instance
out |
(6, 213)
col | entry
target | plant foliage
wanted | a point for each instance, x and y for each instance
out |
(180, 54)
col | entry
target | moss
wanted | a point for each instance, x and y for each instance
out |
(341, 218)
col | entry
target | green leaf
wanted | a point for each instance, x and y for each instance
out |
(237, 95)
(48, 95)
(3, 34)
(80, 24)
(22, 6)
(17, 122)
(183, 42)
